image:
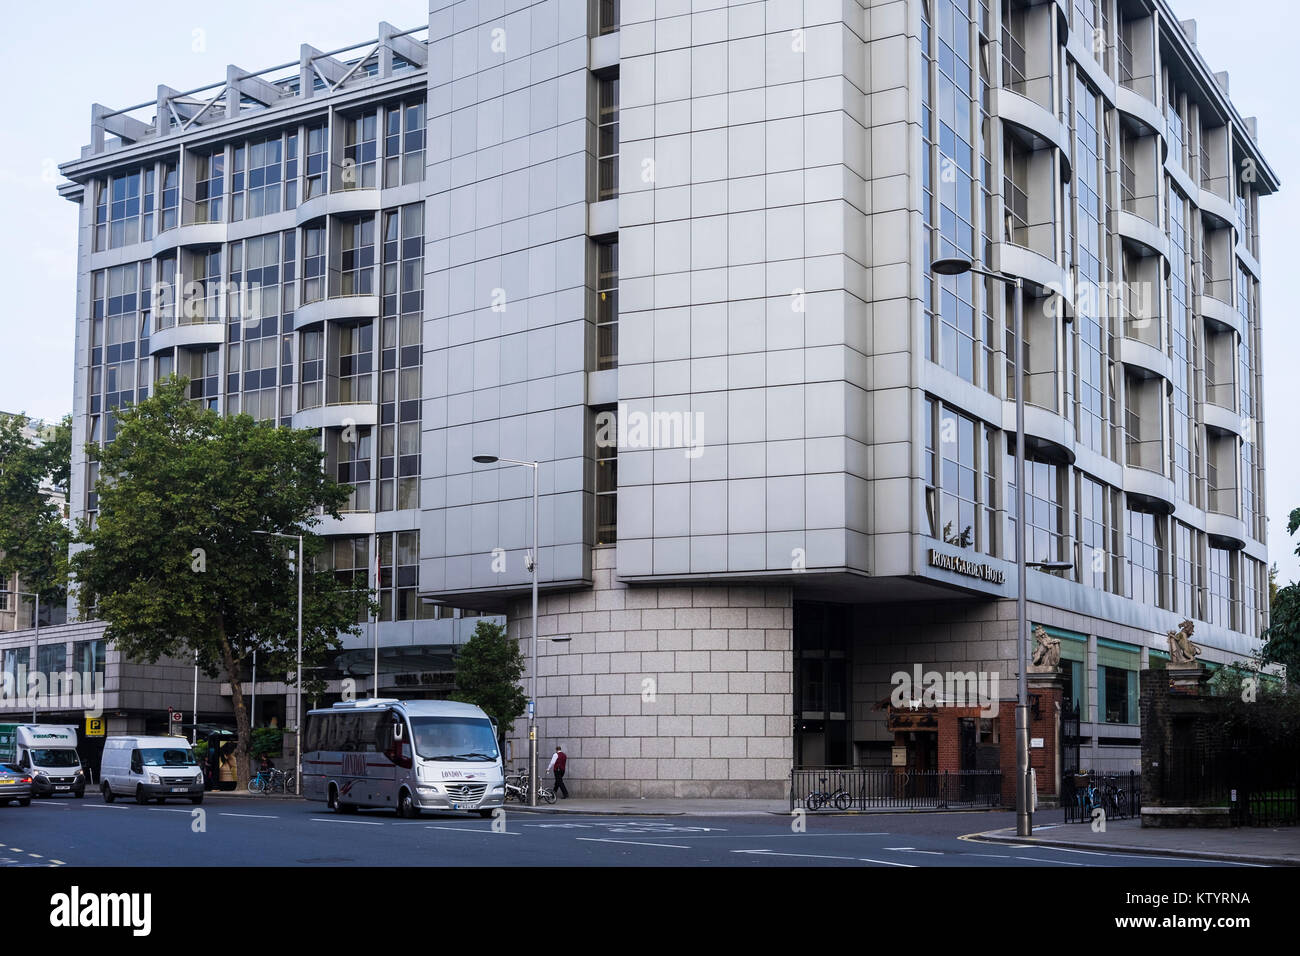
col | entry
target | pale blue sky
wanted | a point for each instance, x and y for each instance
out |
(117, 53)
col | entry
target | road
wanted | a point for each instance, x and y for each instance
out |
(235, 831)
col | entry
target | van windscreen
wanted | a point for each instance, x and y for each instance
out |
(55, 757)
(167, 756)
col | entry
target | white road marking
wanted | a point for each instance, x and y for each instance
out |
(910, 849)
(168, 810)
(100, 806)
(816, 856)
(255, 816)
(430, 826)
(670, 846)
(1035, 859)
(364, 823)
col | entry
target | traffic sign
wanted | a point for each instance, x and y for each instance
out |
(95, 727)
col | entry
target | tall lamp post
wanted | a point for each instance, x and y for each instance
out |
(297, 689)
(532, 681)
(1024, 815)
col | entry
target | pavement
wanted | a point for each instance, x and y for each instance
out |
(1271, 847)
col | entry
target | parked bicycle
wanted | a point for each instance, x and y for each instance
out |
(840, 797)
(273, 781)
(519, 789)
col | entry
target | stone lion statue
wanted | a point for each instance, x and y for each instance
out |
(1181, 648)
(1047, 649)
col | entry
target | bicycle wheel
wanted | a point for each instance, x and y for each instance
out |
(256, 785)
(547, 794)
(842, 800)
(290, 783)
(815, 800)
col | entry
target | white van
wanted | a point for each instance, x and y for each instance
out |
(150, 768)
(49, 753)
(408, 755)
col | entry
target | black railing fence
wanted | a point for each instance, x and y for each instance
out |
(850, 788)
(1118, 795)
(1259, 785)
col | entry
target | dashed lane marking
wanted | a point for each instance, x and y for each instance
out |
(254, 816)
(815, 856)
(670, 846)
(430, 826)
(364, 823)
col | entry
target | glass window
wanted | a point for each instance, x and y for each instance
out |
(607, 305)
(1143, 556)
(607, 142)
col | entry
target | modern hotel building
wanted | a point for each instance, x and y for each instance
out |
(677, 253)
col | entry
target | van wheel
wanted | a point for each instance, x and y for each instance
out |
(485, 813)
(139, 794)
(196, 800)
(107, 791)
(406, 806)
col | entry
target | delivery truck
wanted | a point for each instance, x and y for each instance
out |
(49, 753)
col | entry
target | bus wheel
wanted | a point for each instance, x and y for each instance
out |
(406, 806)
(333, 801)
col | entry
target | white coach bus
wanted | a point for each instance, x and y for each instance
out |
(409, 755)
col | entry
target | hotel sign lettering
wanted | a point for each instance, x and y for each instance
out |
(959, 565)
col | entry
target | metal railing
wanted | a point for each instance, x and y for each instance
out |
(848, 788)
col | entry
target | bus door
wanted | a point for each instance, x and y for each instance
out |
(398, 749)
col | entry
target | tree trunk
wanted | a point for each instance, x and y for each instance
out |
(243, 732)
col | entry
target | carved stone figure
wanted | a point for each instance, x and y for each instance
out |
(1047, 649)
(1181, 649)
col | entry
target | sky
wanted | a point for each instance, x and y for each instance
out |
(117, 53)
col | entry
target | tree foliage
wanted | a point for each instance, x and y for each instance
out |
(34, 537)
(175, 564)
(1282, 639)
(488, 669)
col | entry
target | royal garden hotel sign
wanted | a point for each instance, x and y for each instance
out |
(960, 565)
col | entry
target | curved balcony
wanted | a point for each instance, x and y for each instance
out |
(351, 523)
(1216, 207)
(1151, 488)
(1146, 113)
(1227, 527)
(337, 416)
(1182, 177)
(1047, 434)
(1211, 308)
(194, 234)
(343, 201)
(1042, 124)
(1134, 228)
(1222, 419)
(1031, 266)
(336, 308)
(195, 334)
(1147, 357)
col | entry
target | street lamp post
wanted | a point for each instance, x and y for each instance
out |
(1024, 815)
(297, 707)
(532, 691)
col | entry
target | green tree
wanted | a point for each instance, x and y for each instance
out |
(488, 669)
(1282, 639)
(175, 563)
(34, 538)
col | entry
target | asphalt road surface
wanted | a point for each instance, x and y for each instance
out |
(234, 831)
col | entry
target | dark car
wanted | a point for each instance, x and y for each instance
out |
(15, 785)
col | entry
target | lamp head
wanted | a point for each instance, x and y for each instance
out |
(486, 459)
(951, 267)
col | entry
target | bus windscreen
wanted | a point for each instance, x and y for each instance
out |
(454, 738)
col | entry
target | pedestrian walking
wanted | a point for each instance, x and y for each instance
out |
(556, 766)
